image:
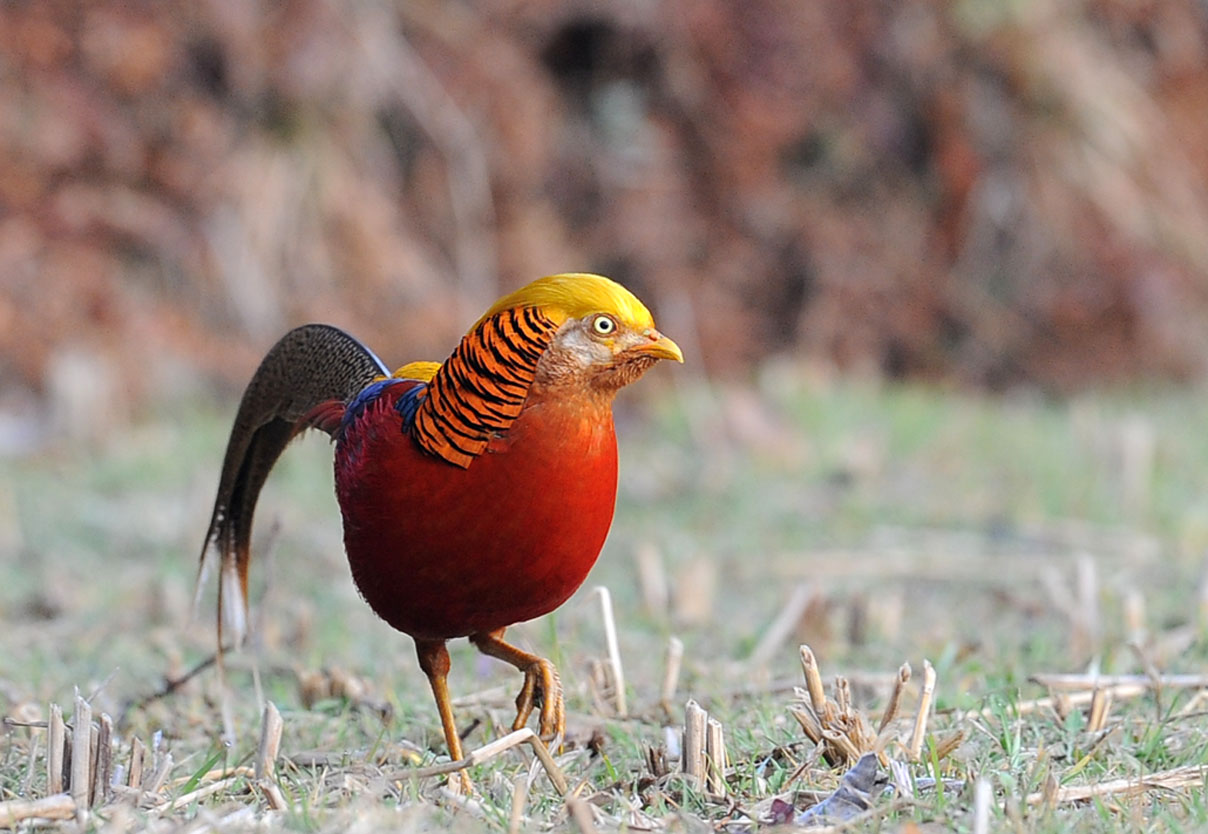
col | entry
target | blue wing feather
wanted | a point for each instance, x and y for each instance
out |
(406, 405)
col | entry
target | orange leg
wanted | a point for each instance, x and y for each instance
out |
(540, 682)
(434, 660)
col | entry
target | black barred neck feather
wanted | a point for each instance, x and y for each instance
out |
(482, 387)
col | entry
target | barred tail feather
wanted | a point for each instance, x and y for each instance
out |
(311, 366)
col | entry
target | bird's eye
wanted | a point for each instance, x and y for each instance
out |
(604, 325)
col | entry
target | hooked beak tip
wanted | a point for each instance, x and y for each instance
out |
(661, 347)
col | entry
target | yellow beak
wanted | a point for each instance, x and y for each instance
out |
(660, 347)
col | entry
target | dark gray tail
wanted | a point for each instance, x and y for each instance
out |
(311, 365)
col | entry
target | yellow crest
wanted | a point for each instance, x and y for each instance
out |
(573, 295)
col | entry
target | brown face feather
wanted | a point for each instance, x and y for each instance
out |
(578, 359)
(625, 369)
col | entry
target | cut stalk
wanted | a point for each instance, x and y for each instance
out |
(695, 722)
(271, 726)
(920, 720)
(56, 741)
(614, 651)
(715, 753)
(81, 754)
(813, 682)
(895, 698)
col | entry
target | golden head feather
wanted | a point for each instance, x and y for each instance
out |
(574, 295)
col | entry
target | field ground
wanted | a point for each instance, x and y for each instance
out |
(999, 539)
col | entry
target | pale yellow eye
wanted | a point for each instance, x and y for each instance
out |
(604, 326)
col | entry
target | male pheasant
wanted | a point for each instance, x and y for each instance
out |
(476, 493)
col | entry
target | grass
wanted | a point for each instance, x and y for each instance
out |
(924, 524)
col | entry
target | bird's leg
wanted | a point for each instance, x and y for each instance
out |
(540, 681)
(434, 660)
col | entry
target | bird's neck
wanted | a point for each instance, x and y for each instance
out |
(573, 396)
(563, 421)
(481, 389)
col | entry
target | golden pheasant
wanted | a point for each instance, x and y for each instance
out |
(476, 493)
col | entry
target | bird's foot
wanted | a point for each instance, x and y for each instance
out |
(542, 685)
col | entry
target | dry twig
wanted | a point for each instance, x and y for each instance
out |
(488, 751)
(1061, 682)
(1189, 776)
(59, 806)
(171, 684)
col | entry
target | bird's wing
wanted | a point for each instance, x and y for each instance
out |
(311, 365)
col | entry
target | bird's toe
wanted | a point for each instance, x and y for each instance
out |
(553, 704)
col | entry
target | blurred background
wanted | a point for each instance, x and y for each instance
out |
(986, 194)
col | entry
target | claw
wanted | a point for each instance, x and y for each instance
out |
(525, 700)
(542, 686)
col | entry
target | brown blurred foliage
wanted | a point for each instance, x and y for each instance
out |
(994, 193)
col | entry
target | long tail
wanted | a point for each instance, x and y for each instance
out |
(310, 365)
